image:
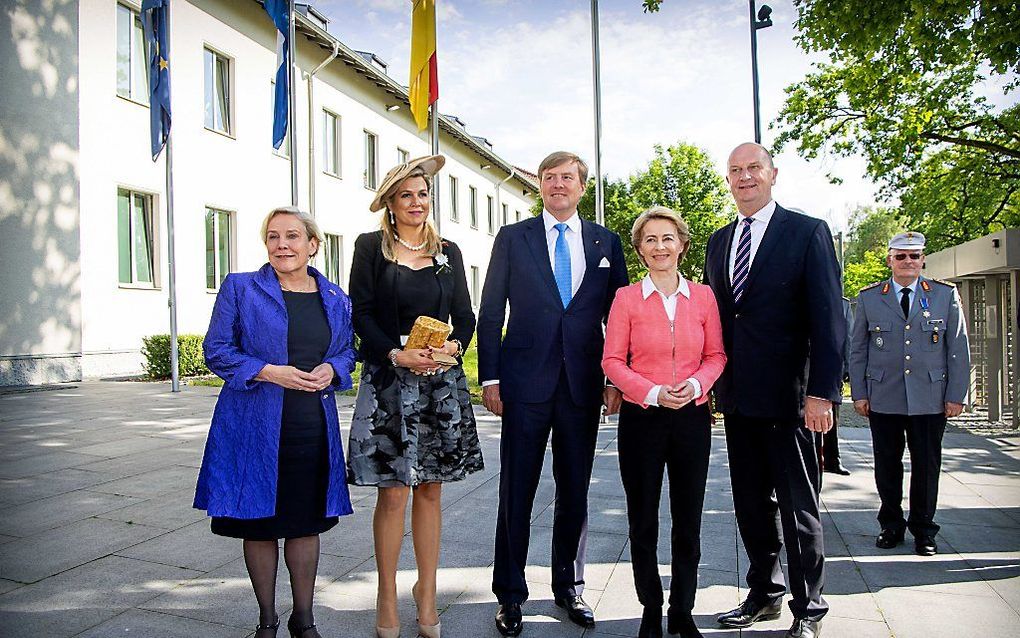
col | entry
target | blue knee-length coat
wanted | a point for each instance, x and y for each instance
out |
(248, 330)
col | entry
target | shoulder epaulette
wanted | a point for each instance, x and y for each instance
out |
(944, 283)
(870, 286)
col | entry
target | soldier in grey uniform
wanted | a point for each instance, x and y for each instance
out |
(909, 371)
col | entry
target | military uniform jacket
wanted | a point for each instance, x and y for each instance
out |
(909, 366)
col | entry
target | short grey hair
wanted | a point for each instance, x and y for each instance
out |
(311, 226)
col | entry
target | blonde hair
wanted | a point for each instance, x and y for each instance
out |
(389, 229)
(562, 157)
(683, 231)
(312, 229)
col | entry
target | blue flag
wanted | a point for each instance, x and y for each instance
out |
(279, 11)
(154, 21)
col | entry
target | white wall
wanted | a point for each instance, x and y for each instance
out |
(239, 173)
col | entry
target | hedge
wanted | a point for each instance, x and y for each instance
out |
(156, 350)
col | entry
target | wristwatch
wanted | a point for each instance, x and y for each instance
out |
(460, 347)
(392, 354)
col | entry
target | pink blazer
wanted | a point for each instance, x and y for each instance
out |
(642, 352)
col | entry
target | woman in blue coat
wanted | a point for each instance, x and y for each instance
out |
(281, 339)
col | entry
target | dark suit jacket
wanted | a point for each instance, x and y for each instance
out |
(374, 296)
(543, 337)
(791, 311)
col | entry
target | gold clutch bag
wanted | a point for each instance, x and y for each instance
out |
(426, 332)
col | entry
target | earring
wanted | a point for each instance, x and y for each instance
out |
(393, 219)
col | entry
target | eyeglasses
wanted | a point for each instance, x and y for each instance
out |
(902, 256)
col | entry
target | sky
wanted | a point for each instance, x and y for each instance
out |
(519, 72)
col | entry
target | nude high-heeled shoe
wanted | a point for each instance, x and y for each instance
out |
(387, 632)
(426, 631)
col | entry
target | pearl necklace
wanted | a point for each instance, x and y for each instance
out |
(308, 287)
(409, 246)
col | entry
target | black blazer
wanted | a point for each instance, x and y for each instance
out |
(542, 337)
(374, 296)
(791, 312)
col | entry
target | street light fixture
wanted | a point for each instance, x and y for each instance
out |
(760, 19)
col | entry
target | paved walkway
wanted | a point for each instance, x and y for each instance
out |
(98, 538)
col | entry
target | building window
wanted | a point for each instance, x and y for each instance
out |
(517, 214)
(505, 219)
(402, 156)
(475, 286)
(284, 150)
(491, 213)
(331, 143)
(132, 70)
(217, 92)
(454, 200)
(333, 251)
(371, 160)
(473, 205)
(136, 238)
(218, 234)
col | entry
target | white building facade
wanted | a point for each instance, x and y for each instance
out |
(83, 246)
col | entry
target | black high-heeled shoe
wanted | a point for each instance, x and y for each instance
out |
(299, 632)
(260, 627)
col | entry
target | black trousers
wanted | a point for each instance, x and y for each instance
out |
(923, 435)
(774, 472)
(828, 448)
(678, 441)
(525, 435)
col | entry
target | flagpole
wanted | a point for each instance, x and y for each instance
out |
(292, 108)
(175, 374)
(437, 216)
(597, 86)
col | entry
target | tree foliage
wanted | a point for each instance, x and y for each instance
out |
(871, 228)
(681, 177)
(868, 270)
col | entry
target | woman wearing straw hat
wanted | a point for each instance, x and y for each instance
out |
(413, 427)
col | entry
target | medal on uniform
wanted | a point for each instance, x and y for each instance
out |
(924, 307)
(879, 342)
(935, 335)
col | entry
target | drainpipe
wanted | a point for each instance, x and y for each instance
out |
(311, 128)
(499, 206)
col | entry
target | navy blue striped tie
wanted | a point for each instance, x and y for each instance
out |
(742, 263)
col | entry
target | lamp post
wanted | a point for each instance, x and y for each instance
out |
(760, 19)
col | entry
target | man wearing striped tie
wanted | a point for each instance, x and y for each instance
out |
(559, 274)
(776, 280)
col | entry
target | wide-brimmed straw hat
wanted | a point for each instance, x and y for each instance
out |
(430, 164)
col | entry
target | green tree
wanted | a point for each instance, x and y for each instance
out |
(868, 270)
(903, 88)
(871, 228)
(681, 177)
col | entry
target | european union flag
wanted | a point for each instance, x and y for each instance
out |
(279, 11)
(155, 16)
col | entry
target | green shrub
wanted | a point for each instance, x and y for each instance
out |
(156, 350)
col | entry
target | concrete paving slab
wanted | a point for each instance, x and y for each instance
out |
(170, 511)
(42, 555)
(41, 515)
(149, 484)
(137, 622)
(43, 463)
(192, 547)
(8, 585)
(923, 614)
(84, 596)
(32, 488)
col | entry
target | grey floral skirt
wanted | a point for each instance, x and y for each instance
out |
(410, 429)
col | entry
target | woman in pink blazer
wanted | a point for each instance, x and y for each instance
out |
(664, 350)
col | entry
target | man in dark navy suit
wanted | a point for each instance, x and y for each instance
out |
(776, 280)
(559, 274)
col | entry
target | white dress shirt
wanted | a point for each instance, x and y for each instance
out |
(758, 227)
(913, 291)
(669, 304)
(575, 245)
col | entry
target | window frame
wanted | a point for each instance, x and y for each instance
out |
(454, 197)
(371, 163)
(490, 203)
(331, 240)
(154, 240)
(231, 217)
(402, 156)
(476, 286)
(337, 136)
(473, 204)
(229, 107)
(135, 95)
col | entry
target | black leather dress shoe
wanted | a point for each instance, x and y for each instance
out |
(508, 619)
(889, 538)
(577, 610)
(651, 623)
(682, 624)
(925, 546)
(836, 469)
(804, 628)
(750, 612)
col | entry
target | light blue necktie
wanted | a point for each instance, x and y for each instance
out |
(561, 265)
